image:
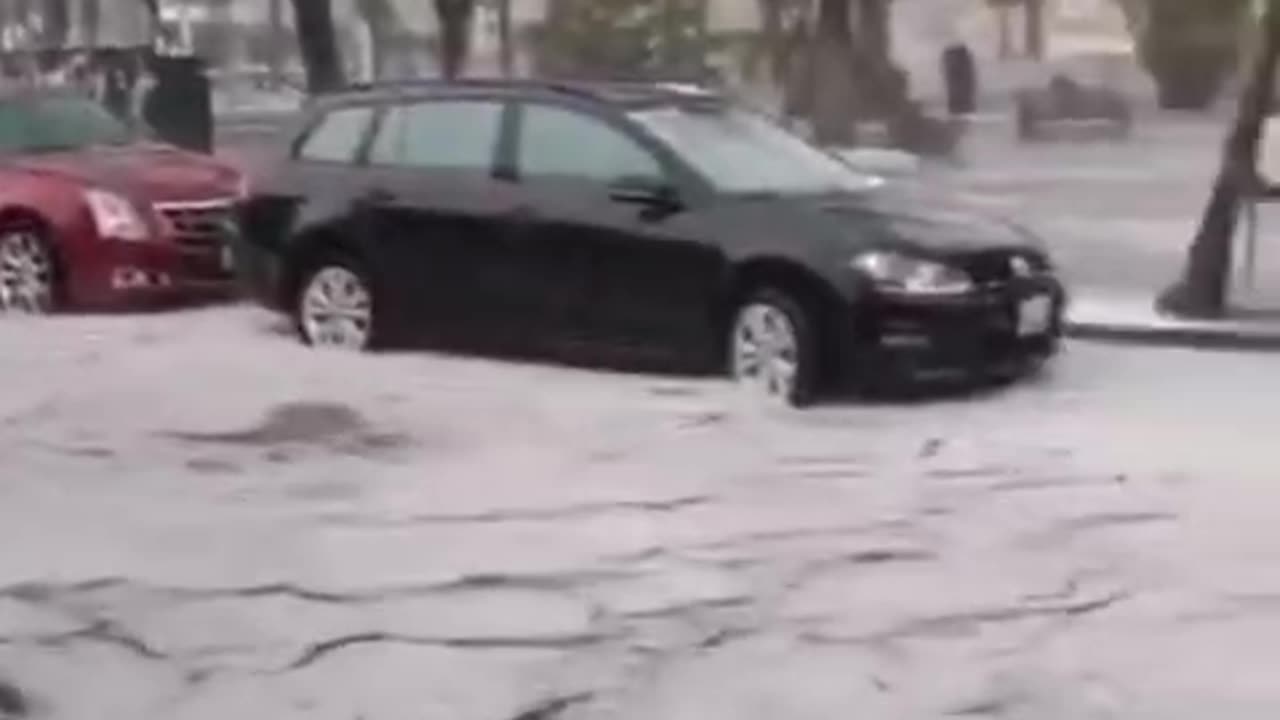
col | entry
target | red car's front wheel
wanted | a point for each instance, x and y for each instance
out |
(28, 273)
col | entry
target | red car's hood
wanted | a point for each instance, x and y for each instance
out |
(145, 171)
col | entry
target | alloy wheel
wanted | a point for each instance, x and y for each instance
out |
(26, 273)
(337, 310)
(766, 352)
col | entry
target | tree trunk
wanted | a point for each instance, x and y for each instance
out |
(1033, 15)
(833, 96)
(670, 38)
(1005, 20)
(873, 30)
(318, 44)
(882, 87)
(379, 18)
(454, 19)
(506, 39)
(275, 46)
(56, 21)
(801, 70)
(223, 14)
(1202, 290)
(773, 35)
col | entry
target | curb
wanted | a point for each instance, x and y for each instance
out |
(1196, 337)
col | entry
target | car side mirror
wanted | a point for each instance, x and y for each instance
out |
(644, 190)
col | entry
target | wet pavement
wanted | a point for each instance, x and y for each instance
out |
(200, 519)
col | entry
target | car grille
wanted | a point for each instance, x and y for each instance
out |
(997, 267)
(203, 225)
(202, 230)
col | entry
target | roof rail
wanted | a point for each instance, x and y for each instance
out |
(596, 89)
(427, 82)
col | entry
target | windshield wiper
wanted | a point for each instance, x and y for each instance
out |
(752, 195)
(50, 148)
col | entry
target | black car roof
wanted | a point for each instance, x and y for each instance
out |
(625, 94)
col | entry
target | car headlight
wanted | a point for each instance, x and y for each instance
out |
(115, 217)
(895, 272)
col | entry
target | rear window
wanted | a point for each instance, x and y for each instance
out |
(338, 136)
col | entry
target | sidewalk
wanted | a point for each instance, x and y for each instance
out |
(1132, 318)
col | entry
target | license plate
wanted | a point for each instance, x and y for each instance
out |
(225, 258)
(1035, 315)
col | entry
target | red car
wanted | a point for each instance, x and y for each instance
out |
(94, 215)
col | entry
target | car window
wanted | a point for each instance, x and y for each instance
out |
(338, 136)
(740, 151)
(53, 123)
(440, 134)
(559, 142)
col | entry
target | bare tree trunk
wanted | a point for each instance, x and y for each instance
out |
(881, 84)
(506, 39)
(774, 36)
(833, 97)
(232, 45)
(56, 20)
(1202, 290)
(873, 30)
(275, 46)
(454, 18)
(1034, 18)
(90, 22)
(1005, 20)
(670, 52)
(801, 70)
(379, 17)
(318, 43)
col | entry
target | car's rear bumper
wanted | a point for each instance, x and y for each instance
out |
(897, 338)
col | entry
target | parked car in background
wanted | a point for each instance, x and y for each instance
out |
(653, 218)
(94, 215)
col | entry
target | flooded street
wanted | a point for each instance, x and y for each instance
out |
(478, 538)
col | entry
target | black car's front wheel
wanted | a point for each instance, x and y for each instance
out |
(335, 306)
(773, 349)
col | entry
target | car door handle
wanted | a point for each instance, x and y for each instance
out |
(522, 214)
(378, 196)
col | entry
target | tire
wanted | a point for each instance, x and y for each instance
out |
(29, 277)
(335, 306)
(773, 348)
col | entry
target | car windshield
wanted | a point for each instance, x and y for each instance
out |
(743, 152)
(45, 124)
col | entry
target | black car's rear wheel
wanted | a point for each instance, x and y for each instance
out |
(28, 273)
(773, 348)
(335, 306)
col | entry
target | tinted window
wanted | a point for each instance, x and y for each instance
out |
(58, 123)
(440, 134)
(338, 136)
(743, 152)
(556, 141)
